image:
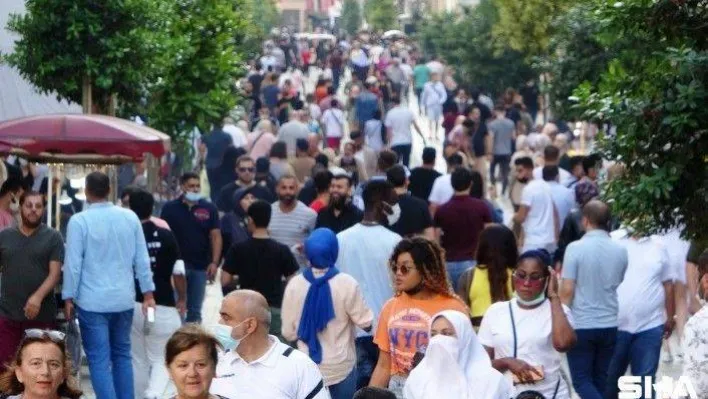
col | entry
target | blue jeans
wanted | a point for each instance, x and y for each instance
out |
(367, 355)
(590, 359)
(106, 341)
(455, 270)
(344, 389)
(196, 288)
(404, 153)
(641, 351)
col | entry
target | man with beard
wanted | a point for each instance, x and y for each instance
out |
(31, 255)
(340, 214)
(246, 172)
(291, 221)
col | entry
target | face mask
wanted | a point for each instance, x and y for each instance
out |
(14, 206)
(394, 215)
(451, 344)
(536, 301)
(192, 196)
(223, 334)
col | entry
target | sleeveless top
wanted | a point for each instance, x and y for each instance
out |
(480, 293)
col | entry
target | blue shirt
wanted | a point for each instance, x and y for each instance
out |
(105, 253)
(366, 105)
(597, 264)
(192, 227)
(216, 143)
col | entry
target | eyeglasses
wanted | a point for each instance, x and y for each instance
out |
(54, 335)
(404, 268)
(250, 170)
(531, 278)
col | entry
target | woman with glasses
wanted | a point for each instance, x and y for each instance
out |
(490, 281)
(41, 369)
(191, 355)
(455, 364)
(422, 290)
(526, 335)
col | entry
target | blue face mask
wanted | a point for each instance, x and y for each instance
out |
(223, 334)
(192, 197)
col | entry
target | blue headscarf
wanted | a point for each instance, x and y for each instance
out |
(321, 249)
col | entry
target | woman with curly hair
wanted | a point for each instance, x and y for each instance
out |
(41, 368)
(422, 290)
(490, 281)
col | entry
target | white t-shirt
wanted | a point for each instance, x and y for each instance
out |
(563, 199)
(436, 67)
(539, 228)
(281, 373)
(407, 71)
(363, 254)
(399, 120)
(315, 111)
(442, 190)
(677, 248)
(563, 175)
(237, 135)
(641, 294)
(534, 343)
(372, 133)
(333, 120)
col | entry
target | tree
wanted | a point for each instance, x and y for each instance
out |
(265, 16)
(380, 14)
(466, 42)
(200, 68)
(528, 25)
(351, 16)
(575, 56)
(110, 44)
(654, 93)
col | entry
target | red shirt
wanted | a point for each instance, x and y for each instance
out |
(317, 205)
(461, 220)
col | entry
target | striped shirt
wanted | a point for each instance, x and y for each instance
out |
(292, 228)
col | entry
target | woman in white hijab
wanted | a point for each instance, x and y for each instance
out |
(453, 342)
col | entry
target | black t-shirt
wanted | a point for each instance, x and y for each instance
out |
(478, 145)
(256, 79)
(164, 252)
(421, 182)
(415, 216)
(349, 216)
(261, 264)
(308, 193)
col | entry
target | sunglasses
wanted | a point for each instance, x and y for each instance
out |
(404, 268)
(251, 170)
(531, 278)
(37, 333)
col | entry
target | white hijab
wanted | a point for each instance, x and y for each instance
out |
(474, 377)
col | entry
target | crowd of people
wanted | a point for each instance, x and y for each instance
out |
(346, 273)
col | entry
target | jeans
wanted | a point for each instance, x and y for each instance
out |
(336, 78)
(344, 389)
(196, 288)
(589, 361)
(152, 380)
(11, 334)
(504, 162)
(641, 351)
(367, 355)
(404, 153)
(456, 269)
(106, 341)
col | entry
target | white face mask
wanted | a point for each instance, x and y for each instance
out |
(394, 215)
(224, 334)
(451, 344)
(536, 301)
(192, 196)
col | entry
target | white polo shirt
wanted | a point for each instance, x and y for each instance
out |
(281, 373)
(442, 190)
(641, 293)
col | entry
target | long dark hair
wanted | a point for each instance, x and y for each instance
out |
(497, 251)
(429, 259)
(10, 385)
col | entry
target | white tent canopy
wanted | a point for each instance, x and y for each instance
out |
(18, 97)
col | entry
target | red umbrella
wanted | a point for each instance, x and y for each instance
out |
(80, 138)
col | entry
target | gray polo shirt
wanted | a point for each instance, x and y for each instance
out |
(503, 130)
(24, 262)
(597, 264)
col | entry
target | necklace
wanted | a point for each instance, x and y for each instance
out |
(369, 223)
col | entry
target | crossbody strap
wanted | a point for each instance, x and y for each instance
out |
(513, 328)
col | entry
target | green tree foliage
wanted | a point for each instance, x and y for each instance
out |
(380, 14)
(111, 42)
(654, 93)
(576, 55)
(466, 42)
(264, 16)
(527, 25)
(200, 68)
(351, 16)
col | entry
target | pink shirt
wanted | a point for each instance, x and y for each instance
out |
(161, 223)
(6, 219)
(261, 148)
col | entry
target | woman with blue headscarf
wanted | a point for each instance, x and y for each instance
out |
(320, 309)
(526, 335)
